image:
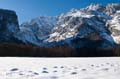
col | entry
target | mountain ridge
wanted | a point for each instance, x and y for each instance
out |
(94, 26)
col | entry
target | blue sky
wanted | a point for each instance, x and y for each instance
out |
(28, 9)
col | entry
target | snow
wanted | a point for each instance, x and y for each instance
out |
(115, 28)
(115, 22)
(116, 39)
(54, 34)
(59, 68)
(63, 25)
(118, 11)
(45, 30)
(80, 14)
(94, 7)
(36, 30)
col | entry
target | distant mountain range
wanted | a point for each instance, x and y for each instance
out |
(94, 26)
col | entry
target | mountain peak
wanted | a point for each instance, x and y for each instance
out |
(112, 8)
(96, 7)
(77, 28)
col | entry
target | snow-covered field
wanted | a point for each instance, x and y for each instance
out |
(59, 68)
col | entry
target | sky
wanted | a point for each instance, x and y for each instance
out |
(28, 9)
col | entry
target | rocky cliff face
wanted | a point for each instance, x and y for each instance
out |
(8, 26)
(83, 27)
(114, 26)
(111, 9)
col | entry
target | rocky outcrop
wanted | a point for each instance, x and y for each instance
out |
(8, 26)
(114, 26)
(112, 8)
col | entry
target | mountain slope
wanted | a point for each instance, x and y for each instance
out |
(93, 26)
(88, 23)
(36, 30)
(114, 26)
(77, 28)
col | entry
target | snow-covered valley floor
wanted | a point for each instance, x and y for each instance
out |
(59, 68)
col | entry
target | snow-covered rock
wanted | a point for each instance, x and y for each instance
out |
(111, 9)
(114, 26)
(76, 28)
(96, 7)
(36, 30)
(85, 23)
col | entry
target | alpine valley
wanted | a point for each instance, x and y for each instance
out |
(95, 26)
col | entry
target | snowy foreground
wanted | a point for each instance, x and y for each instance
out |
(59, 68)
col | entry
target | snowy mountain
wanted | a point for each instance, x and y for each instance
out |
(88, 23)
(93, 26)
(111, 9)
(36, 30)
(90, 26)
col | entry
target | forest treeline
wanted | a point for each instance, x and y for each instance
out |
(14, 50)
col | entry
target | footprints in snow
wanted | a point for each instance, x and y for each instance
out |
(74, 70)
